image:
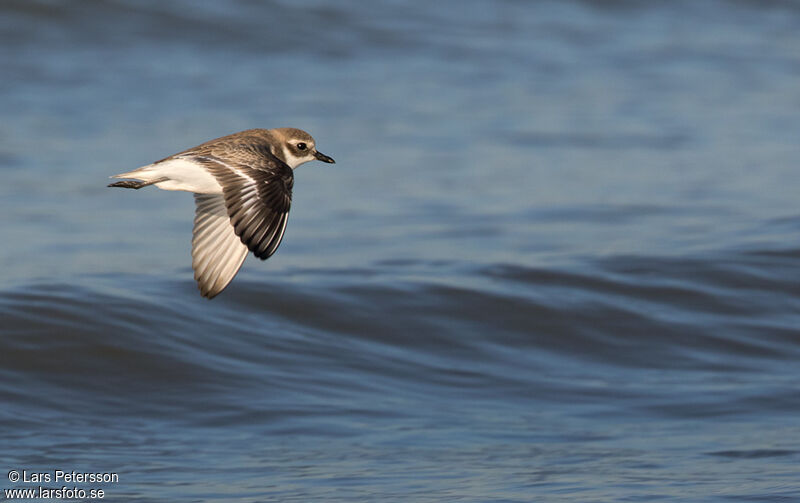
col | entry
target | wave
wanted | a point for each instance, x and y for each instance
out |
(499, 327)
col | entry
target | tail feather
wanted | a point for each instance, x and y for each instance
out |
(141, 177)
(143, 173)
(173, 174)
(136, 184)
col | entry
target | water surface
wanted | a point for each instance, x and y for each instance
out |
(557, 258)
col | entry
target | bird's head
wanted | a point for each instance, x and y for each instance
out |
(295, 147)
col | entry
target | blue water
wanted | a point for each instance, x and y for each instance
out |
(557, 260)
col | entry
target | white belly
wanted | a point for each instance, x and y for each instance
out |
(181, 174)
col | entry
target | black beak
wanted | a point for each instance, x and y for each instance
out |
(324, 158)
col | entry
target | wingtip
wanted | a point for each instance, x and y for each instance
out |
(209, 291)
(208, 294)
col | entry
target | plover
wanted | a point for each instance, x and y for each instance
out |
(242, 185)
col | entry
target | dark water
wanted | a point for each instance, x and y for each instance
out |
(558, 258)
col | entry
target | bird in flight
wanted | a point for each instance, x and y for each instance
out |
(242, 185)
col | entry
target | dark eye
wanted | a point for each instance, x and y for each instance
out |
(301, 146)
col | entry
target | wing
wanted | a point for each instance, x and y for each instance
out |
(257, 196)
(217, 252)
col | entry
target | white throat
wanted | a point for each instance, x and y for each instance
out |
(292, 160)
